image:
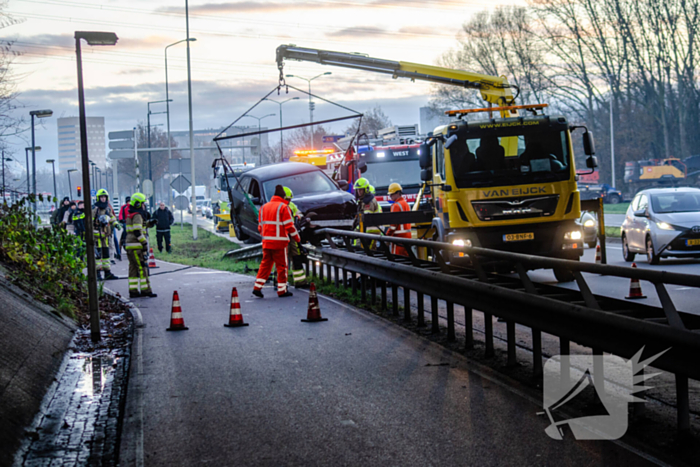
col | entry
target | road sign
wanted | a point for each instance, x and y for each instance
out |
(180, 184)
(180, 166)
(123, 142)
(181, 202)
(93, 192)
(147, 188)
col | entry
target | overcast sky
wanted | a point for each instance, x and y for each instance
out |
(233, 59)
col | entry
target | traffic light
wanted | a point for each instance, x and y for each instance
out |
(79, 192)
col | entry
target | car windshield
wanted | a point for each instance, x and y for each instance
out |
(664, 203)
(383, 174)
(307, 183)
(523, 155)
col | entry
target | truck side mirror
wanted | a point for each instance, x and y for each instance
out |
(588, 144)
(591, 162)
(426, 175)
(450, 140)
(425, 157)
(362, 167)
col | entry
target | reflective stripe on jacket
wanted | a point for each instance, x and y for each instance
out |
(275, 224)
(135, 238)
(400, 230)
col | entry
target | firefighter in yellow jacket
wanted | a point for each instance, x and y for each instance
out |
(104, 222)
(137, 247)
(294, 249)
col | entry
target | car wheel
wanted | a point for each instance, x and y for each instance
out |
(563, 275)
(613, 199)
(626, 253)
(237, 228)
(652, 257)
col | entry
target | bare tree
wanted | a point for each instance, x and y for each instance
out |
(372, 121)
(10, 124)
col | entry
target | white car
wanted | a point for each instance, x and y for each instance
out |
(662, 223)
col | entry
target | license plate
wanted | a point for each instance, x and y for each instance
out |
(519, 237)
(692, 242)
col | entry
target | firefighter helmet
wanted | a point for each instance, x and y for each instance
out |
(288, 193)
(137, 199)
(371, 189)
(362, 184)
(102, 192)
(394, 188)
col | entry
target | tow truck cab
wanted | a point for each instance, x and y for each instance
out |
(507, 184)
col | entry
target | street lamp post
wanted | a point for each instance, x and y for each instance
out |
(55, 191)
(92, 38)
(311, 104)
(37, 114)
(189, 105)
(26, 153)
(150, 170)
(259, 119)
(70, 188)
(167, 110)
(281, 132)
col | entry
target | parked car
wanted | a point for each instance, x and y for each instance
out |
(206, 209)
(315, 195)
(589, 226)
(662, 223)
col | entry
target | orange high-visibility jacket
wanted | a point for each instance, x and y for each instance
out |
(400, 230)
(275, 224)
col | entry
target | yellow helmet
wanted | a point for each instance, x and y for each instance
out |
(394, 187)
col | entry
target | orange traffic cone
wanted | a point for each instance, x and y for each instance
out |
(635, 288)
(314, 313)
(598, 258)
(177, 323)
(236, 318)
(152, 260)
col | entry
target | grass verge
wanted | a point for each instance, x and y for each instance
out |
(620, 208)
(207, 251)
(612, 231)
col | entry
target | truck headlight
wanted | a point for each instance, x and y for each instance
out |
(462, 242)
(573, 235)
(664, 226)
(589, 223)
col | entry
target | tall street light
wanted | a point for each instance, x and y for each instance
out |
(259, 138)
(311, 104)
(37, 114)
(189, 105)
(167, 110)
(34, 149)
(281, 132)
(70, 188)
(92, 38)
(150, 170)
(55, 192)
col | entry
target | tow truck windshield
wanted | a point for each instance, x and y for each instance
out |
(479, 156)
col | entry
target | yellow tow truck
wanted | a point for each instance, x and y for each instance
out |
(497, 179)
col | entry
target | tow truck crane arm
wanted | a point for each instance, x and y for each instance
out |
(494, 89)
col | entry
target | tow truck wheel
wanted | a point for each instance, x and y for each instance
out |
(240, 235)
(613, 199)
(564, 275)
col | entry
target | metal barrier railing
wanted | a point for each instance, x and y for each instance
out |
(604, 324)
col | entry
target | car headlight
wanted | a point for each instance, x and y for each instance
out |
(573, 235)
(664, 226)
(589, 223)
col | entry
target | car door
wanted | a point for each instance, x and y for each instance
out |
(640, 225)
(249, 214)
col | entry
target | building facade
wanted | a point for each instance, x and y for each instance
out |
(69, 153)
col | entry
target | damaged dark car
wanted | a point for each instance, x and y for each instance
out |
(318, 198)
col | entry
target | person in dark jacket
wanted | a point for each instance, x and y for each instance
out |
(57, 216)
(164, 219)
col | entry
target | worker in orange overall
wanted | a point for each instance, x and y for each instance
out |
(276, 225)
(398, 230)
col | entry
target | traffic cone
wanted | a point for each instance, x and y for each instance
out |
(598, 259)
(635, 288)
(152, 260)
(177, 323)
(236, 318)
(314, 312)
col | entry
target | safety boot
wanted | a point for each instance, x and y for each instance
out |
(109, 276)
(286, 294)
(258, 293)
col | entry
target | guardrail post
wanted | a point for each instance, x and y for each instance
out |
(510, 338)
(353, 283)
(382, 285)
(394, 300)
(406, 304)
(488, 334)
(434, 316)
(536, 353)
(451, 321)
(363, 288)
(468, 329)
(564, 368)
(345, 278)
(336, 276)
(320, 272)
(373, 291)
(683, 404)
(421, 312)
(313, 268)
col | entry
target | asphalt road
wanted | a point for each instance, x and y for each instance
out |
(351, 391)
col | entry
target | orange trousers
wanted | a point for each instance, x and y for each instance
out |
(278, 257)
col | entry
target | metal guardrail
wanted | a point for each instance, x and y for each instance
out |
(602, 323)
(248, 252)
